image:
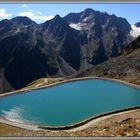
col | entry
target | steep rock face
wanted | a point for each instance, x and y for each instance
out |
(102, 31)
(61, 41)
(19, 61)
(58, 47)
(36, 51)
(126, 66)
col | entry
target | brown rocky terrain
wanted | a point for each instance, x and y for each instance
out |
(124, 125)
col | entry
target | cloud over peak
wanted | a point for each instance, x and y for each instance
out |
(4, 14)
(35, 16)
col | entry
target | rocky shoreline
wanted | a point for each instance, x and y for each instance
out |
(83, 124)
(70, 80)
(126, 124)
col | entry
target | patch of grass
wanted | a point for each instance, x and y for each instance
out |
(42, 82)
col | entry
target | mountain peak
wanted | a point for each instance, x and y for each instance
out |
(53, 48)
(88, 11)
(55, 23)
(57, 17)
(4, 21)
(22, 20)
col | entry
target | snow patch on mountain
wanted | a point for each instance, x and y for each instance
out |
(85, 19)
(135, 32)
(76, 26)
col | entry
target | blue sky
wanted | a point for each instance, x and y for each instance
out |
(43, 12)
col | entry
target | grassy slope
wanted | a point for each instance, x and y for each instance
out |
(42, 82)
(125, 67)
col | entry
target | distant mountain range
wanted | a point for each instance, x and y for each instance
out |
(60, 46)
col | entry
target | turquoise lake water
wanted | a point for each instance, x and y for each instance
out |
(68, 103)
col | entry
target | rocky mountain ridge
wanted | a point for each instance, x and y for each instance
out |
(58, 47)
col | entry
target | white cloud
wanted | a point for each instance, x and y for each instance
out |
(39, 12)
(135, 32)
(24, 5)
(37, 17)
(4, 14)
